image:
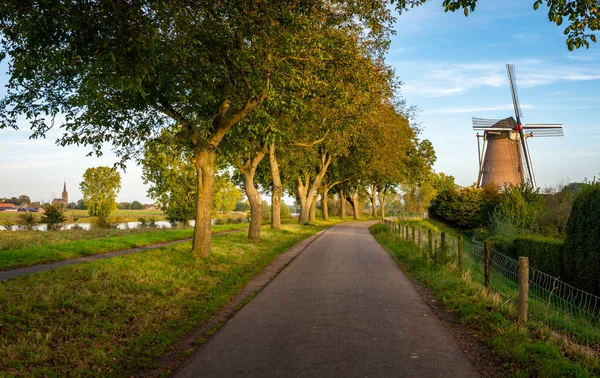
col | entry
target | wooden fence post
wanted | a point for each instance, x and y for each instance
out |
(420, 238)
(487, 262)
(413, 233)
(406, 232)
(430, 234)
(460, 253)
(523, 289)
(443, 248)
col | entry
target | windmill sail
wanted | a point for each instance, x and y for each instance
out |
(512, 78)
(544, 130)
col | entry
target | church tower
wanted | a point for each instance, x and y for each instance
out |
(65, 195)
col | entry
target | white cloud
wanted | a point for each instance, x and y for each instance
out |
(26, 165)
(437, 79)
(30, 142)
(527, 37)
(583, 58)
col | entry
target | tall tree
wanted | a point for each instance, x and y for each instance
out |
(100, 187)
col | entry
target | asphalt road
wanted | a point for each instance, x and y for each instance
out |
(341, 309)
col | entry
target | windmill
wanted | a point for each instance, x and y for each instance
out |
(505, 158)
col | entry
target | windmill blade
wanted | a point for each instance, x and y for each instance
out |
(544, 130)
(524, 169)
(528, 166)
(494, 124)
(512, 78)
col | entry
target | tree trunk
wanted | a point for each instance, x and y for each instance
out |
(248, 169)
(255, 205)
(355, 205)
(205, 174)
(342, 203)
(205, 168)
(324, 201)
(277, 190)
(374, 200)
(382, 203)
(307, 189)
(304, 204)
(313, 209)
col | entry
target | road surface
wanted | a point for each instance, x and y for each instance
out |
(343, 308)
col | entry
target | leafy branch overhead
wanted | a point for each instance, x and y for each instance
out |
(582, 16)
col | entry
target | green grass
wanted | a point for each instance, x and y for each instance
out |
(26, 248)
(84, 217)
(113, 316)
(528, 350)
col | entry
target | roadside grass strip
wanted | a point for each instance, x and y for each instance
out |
(115, 316)
(530, 350)
(48, 247)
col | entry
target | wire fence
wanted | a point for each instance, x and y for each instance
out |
(567, 310)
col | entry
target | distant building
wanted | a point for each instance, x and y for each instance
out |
(7, 207)
(65, 197)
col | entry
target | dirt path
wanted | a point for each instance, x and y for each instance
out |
(8, 274)
(341, 308)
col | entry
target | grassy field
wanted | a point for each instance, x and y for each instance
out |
(84, 217)
(113, 316)
(530, 350)
(26, 248)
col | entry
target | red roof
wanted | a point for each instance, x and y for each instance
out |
(8, 205)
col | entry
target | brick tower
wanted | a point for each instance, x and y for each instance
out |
(65, 195)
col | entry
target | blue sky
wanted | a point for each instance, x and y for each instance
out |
(452, 67)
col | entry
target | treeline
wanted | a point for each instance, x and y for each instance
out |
(517, 210)
(559, 230)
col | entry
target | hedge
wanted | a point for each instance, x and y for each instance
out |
(582, 245)
(545, 254)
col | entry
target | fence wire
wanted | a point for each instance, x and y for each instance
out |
(569, 310)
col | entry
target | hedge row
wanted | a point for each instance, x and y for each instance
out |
(545, 254)
(582, 244)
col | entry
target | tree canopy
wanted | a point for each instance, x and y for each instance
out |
(100, 187)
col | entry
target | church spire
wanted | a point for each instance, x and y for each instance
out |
(65, 195)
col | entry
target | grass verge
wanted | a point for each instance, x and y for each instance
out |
(114, 316)
(84, 217)
(27, 248)
(529, 350)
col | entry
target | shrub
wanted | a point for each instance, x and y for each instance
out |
(284, 211)
(143, 222)
(545, 254)
(27, 221)
(8, 224)
(378, 228)
(582, 243)
(504, 245)
(53, 217)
